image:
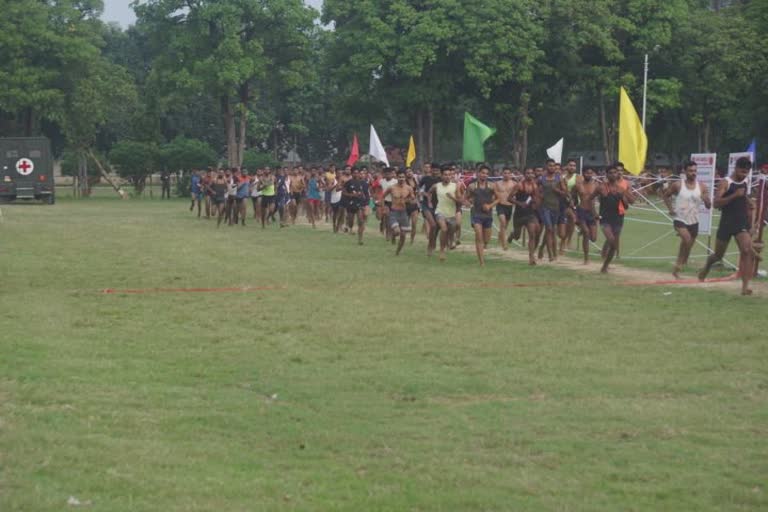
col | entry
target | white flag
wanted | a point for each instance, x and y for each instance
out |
(556, 152)
(375, 149)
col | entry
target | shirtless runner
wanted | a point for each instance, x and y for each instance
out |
(298, 186)
(503, 190)
(401, 195)
(584, 190)
(526, 198)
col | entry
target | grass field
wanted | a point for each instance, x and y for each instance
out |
(356, 381)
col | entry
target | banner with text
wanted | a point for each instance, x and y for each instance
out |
(705, 173)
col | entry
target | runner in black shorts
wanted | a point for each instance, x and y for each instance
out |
(525, 197)
(503, 191)
(735, 221)
(612, 200)
(356, 192)
(412, 208)
(430, 176)
(585, 212)
(482, 198)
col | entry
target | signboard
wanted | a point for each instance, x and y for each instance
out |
(705, 173)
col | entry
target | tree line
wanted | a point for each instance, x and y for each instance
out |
(199, 82)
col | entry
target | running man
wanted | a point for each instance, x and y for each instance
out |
(313, 197)
(330, 183)
(401, 195)
(526, 198)
(689, 196)
(461, 191)
(481, 196)
(243, 191)
(206, 184)
(553, 191)
(445, 210)
(256, 194)
(337, 212)
(297, 187)
(429, 177)
(613, 201)
(503, 190)
(584, 190)
(386, 182)
(357, 195)
(219, 196)
(735, 221)
(196, 192)
(412, 208)
(565, 231)
(267, 187)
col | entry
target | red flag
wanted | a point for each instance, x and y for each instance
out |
(354, 156)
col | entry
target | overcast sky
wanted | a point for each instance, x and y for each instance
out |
(121, 12)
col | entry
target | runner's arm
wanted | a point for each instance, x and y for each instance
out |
(667, 194)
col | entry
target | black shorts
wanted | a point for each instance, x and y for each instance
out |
(728, 229)
(354, 208)
(524, 218)
(267, 201)
(411, 208)
(693, 229)
(505, 210)
(586, 217)
(616, 225)
(296, 196)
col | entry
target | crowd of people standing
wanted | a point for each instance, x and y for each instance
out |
(545, 205)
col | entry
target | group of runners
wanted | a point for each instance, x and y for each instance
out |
(542, 206)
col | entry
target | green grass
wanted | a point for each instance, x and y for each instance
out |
(401, 384)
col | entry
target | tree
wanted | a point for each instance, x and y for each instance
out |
(135, 161)
(184, 154)
(227, 49)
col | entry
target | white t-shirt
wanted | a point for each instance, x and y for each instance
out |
(335, 194)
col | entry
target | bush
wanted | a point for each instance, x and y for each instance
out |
(253, 160)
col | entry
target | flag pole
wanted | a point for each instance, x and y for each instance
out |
(645, 87)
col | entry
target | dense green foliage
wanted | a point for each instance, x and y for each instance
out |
(273, 76)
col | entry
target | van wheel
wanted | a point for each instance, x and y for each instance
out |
(51, 199)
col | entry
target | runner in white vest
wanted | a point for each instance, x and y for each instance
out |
(689, 196)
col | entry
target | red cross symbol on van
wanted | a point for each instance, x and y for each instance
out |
(25, 166)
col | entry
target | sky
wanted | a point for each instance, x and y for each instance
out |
(121, 12)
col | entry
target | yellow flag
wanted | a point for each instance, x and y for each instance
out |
(633, 144)
(411, 153)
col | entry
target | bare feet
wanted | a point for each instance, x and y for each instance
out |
(702, 275)
(746, 291)
(676, 272)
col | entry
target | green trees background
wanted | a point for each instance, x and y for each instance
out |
(247, 81)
